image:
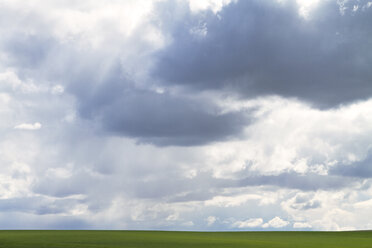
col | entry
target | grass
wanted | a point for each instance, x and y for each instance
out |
(140, 239)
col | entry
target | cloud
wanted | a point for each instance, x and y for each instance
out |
(305, 202)
(28, 126)
(38, 205)
(260, 48)
(249, 223)
(188, 224)
(160, 115)
(301, 225)
(28, 221)
(304, 182)
(107, 90)
(359, 169)
(214, 5)
(211, 220)
(57, 90)
(276, 222)
(162, 119)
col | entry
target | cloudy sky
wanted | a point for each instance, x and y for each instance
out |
(186, 114)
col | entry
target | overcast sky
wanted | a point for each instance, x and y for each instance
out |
(186, 114)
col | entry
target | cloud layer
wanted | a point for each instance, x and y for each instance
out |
(174, 115)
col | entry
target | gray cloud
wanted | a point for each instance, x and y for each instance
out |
(260, 48)
(114, 151)
(305, 203)
(307, 182)
(360, 169)
(16, 220)
(205, 186)
(27, 50)
(58, 187)
(166, 120)
(37, 205)
(148, 116)
(105, 95)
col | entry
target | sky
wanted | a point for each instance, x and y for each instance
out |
(213, 115)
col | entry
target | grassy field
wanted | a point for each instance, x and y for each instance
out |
(139, 239)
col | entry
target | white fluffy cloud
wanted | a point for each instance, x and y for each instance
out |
(276, 222)
(28, 126)
(249, 223)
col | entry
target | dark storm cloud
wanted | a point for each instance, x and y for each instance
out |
(151, 117)
(167, 120)
(266, 48)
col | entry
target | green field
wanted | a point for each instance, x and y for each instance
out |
(139, 239)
